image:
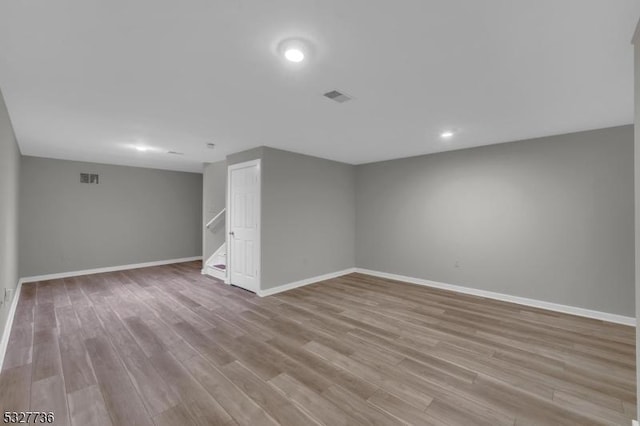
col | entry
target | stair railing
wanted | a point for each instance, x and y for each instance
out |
(216, 218)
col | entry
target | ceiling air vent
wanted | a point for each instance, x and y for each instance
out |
(175, 153)
(340, 97)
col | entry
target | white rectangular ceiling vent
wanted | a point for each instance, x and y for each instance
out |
(340, 97)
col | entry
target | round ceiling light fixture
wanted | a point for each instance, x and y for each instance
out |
(294, 55)
(294, 50)
(447, 134)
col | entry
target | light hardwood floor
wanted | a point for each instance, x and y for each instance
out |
(168, 346)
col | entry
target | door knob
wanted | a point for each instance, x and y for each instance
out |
(232, 233)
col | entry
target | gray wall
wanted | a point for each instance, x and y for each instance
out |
(244, 156)
(133, 215)
(9, 189)
(308, 217)
(637, 201)
(214, 181)
(546, 219)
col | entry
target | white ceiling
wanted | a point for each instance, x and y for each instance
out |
(86, 79)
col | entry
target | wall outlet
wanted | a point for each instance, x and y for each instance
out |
(8, 294)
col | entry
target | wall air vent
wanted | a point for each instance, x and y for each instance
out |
(339, 97)
(89, 178)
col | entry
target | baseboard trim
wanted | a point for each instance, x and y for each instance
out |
(582, 312)
(307, 281)
(107, 269)
(4, 340)
(635, 423)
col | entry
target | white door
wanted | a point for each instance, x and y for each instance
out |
(243, 243)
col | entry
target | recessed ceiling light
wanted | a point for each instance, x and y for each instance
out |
(447, 134)
(294, 55)
(142, 148)
(294, 50)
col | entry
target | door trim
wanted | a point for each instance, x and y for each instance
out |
(230, 168)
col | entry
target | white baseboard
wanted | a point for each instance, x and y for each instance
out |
(635, 423)
(307, 281)
(604, 316)
(107, 269)
(4, 339)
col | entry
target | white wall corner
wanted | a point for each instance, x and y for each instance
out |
(635, 423)
(636, 34)
(556, 307)
(307, 281)
(4, 339)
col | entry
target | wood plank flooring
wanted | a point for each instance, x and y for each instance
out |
(168, 346)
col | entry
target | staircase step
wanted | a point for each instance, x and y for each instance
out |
(221, 267)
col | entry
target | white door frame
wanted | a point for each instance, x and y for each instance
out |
(258, 244)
